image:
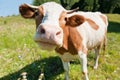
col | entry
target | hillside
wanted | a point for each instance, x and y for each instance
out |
(19, 53)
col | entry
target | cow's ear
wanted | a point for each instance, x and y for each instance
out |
(28, 11)
(75, 20)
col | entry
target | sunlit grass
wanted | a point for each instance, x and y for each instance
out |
(19, 53)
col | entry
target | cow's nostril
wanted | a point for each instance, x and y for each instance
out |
(58, 33)
(42, 31)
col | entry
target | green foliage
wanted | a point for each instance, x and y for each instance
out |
(19, 53)
(114, 4)
(105, 6)
(39, 2)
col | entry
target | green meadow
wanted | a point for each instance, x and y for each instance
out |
(19, 53)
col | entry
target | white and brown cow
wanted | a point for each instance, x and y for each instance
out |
(71, 35)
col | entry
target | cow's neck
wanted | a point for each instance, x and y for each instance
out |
(72, 41)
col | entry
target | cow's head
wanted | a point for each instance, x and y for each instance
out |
(51, 18)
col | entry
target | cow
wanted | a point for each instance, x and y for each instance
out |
(71, 34)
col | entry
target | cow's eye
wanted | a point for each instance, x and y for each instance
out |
(66, 18)
(36, 12)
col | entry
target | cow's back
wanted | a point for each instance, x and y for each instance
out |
(94, 28)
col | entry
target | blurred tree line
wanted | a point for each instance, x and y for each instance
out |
(105, 6)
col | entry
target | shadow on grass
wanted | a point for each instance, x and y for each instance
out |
(51, 67)
(114, 27)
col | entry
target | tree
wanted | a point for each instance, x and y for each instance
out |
(63, 3)
(109, 6)
(39, 2)
(114, 6)
(67, 3)
(105, 6)
(94, 5)
(81, 4)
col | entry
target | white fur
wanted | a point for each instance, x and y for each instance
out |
(96, 58)
(83, 59)
(52, 13)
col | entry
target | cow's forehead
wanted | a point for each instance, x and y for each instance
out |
(52, 7)
(51, 12)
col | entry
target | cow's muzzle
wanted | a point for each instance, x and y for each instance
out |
(48, 35)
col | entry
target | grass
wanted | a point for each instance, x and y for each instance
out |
(19, 53)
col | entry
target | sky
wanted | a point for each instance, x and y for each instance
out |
(11, 7)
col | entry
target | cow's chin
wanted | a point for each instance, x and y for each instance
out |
(46, 46)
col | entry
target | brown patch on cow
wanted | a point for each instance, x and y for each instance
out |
(38, 20)
(65, 37)
(75, 20)
(104, 19)
(64, 47)
(62, 19)
(92, 24)
(62, 23)
(72, 41)
(39, 16)
(75, 41)
(29, 12)
(26, 11)
(72, 21)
